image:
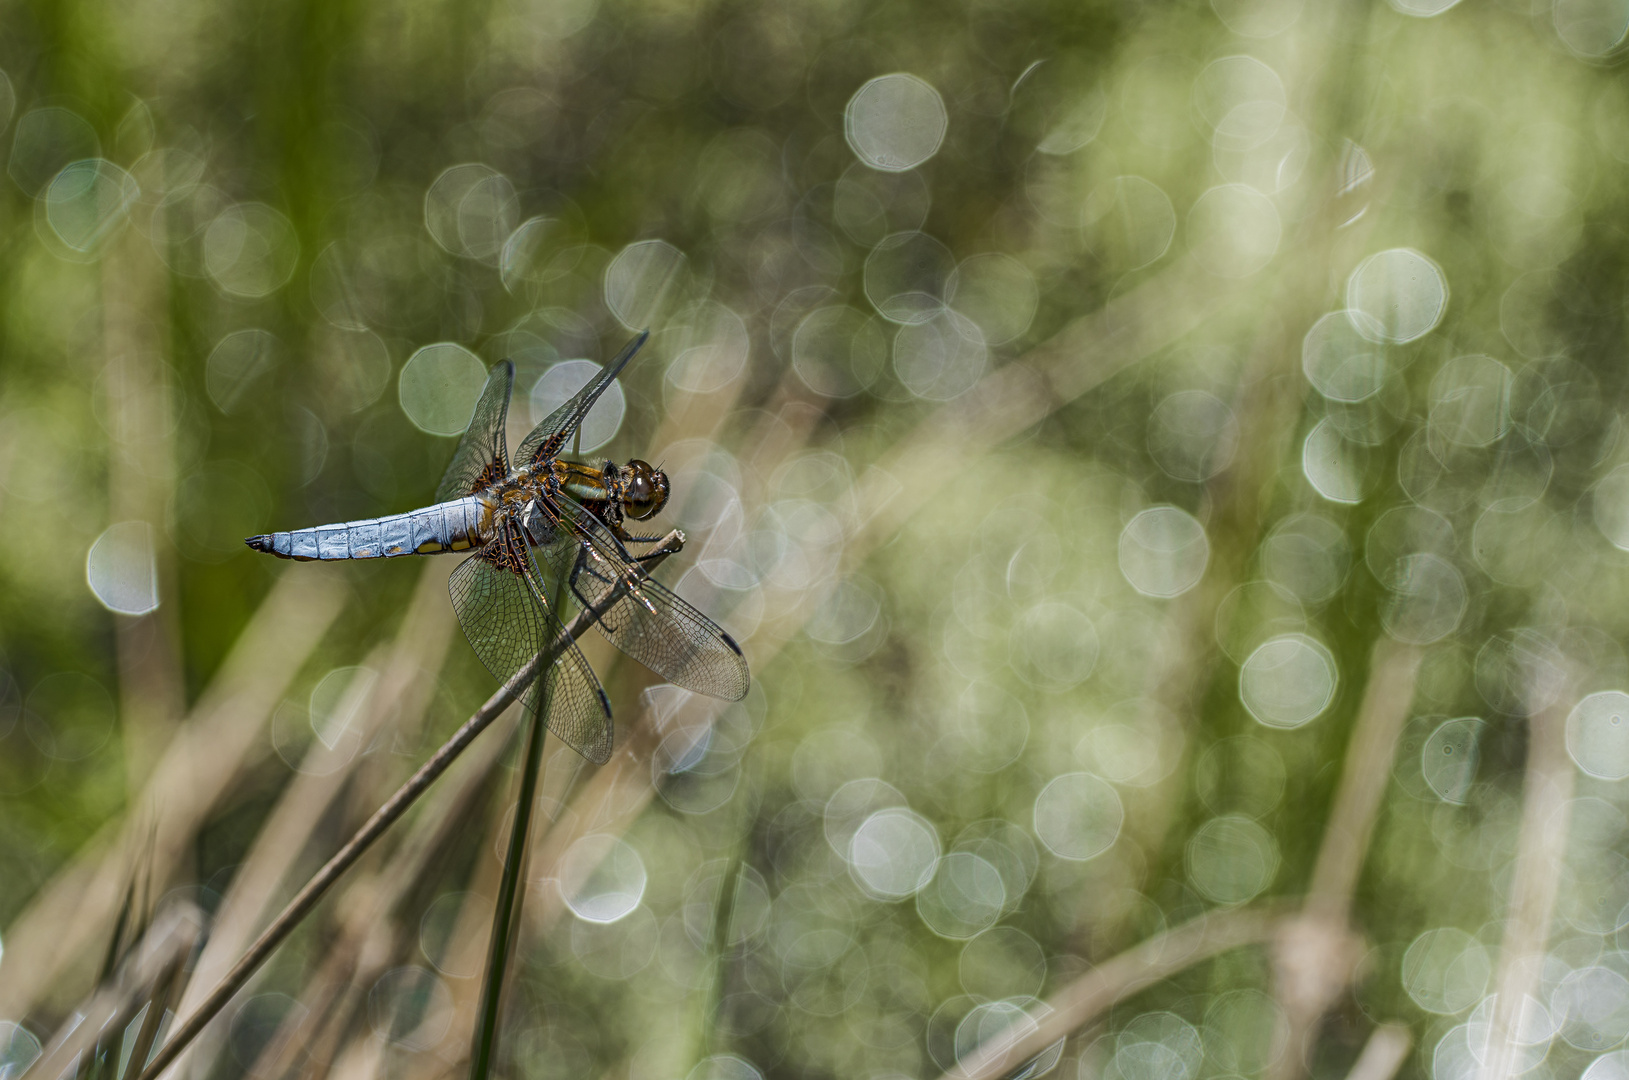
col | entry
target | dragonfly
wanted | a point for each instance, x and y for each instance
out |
(545, 532)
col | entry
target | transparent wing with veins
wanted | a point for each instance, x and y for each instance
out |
(549, 438)
(644, 619)
(482, 457)
(498, 595)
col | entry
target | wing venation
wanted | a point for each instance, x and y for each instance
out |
(647, 621)
(497, 595)
(482, 457)
(547, 439)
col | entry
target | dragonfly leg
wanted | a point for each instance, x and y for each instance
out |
(670, 543)
(579, 567)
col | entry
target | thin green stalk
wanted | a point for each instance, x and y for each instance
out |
(723, 917)
(511, 888)
(506, 913)
(394, 807)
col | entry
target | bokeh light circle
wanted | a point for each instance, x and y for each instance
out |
(1592, 29)
(44, 142)
(1002, 962)
(893, 853)
(1340, 363)
(557, 385)
(1333, 465)
(895, 122)
(997, 292)
(19, 1049)
(1129, 223)
(965, 896)
(1231, 859)
(1449, 758)
(1288, 681)
(121, 568)
(1078, 816)
(1257, 18)
(1446, 971)
(640, 280)
(724, 1067)
(238, 366)
(88, 202)
(411, 1007)
(1610, 507)
(907, 276)
(602, 878)
(1396, 296)
(1598, 735)
(1242, 99)
(1192, 435)
(838, 352)
(439, 386)
(1428, 599)
(250, 250)
(471, 210)
(70, 716)
(940, 358)
(1163, 552)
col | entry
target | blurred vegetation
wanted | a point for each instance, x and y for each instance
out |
(1166, 465)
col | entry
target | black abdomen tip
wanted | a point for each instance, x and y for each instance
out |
(259, 543)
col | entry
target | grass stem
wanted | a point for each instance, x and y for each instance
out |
(511, 894)
(393, 808)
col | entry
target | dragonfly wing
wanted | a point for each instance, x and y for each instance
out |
(646, 621)
(549, 438)
(497, 595)
(482, 457)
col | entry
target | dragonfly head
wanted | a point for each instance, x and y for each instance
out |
(644, 489)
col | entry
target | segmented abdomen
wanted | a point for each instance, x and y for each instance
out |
(450, 526)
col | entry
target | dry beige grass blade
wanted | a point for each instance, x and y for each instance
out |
(141, 480)
(1138, 968)
(369, 937)
(1316, 952)
(73, 911)
(401, 693)
(937, 451)
(1541, 845)
(1011, 399)
(359, 1060)
(556, 825)
(613, 798)
(388, 813)
(467, 945)
(1383, 1054)
(282, 838)
(781, 432)
(466, 951)
(142, 980)
(1394, 670)
(1088, 351)
(1015, 397)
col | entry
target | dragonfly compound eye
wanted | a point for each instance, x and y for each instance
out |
(645, 490)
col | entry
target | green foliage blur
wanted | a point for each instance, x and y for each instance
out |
(1126, 438)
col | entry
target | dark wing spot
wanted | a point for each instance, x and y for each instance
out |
(490, 475)
(504, 552)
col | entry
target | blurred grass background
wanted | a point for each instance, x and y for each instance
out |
(1165, 464)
